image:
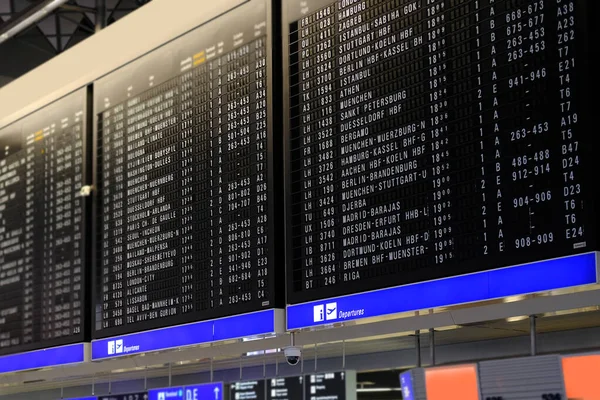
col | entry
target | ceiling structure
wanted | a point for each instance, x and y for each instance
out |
(55, 32)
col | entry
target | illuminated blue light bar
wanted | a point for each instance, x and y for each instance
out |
(208, 391)
(534, 277)
(235, 327)
(54, 356)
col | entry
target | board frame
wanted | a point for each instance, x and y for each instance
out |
(276, 296)
(86, 93)
(591, 197)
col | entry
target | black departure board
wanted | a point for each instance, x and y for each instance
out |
(185, 180)
(247, 390)
(288, 388)
(326, 386)
(42, 248)
(433, 138)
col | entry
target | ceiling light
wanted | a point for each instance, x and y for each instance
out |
(517, 319)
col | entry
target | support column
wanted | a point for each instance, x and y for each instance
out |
(432, 346)
(100, 15)
(533, 334)
(418, 348)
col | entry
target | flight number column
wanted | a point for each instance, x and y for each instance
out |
(186, 93)
(318, 63)
(568, 76)
(258, 102)
(113, 218)
(301, 164)
(440, 202)
(323, 146)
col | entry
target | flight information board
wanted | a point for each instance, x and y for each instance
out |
(42, 267)
(288, 388)
(326, 386)
(433, 138)
(184, 177)
(247, 390)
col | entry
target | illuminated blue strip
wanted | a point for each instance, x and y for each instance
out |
(245, 325)
(54, 356)
(523, 279)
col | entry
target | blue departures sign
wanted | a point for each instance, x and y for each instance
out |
(522, 279)
(406, 384)
(239, 326)
(53, 356)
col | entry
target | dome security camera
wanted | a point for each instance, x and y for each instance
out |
(292, 355)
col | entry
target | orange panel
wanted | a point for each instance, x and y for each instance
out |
(582, 377)
(452, 383)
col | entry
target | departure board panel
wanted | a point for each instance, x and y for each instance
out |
(184, 177)
(42, 268)
(288, 388)
(326, 386)
(433, 138)
(247, 390)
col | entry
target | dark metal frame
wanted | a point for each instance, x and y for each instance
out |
(72, 12)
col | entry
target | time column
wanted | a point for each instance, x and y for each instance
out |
(437, 83)
(186, 83)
